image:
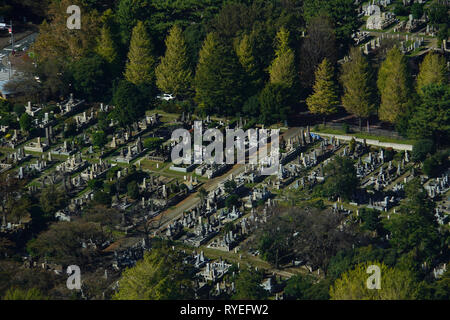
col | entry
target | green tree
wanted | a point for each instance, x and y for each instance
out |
(25, 122)
(95, 184)
(371, 219)
(128, 102)
(63, 242)
(107, 47)
(153, 143)
(275, 102)
(341, 12)
(437, 290)
(393, 84)
(421, 149)
(356, 81)
(89, 77)
(232, 200)
(395, 284)
(161, 275)
(127, 15)
(282, 70)
(248, 286)
(102, 198)
(141, 60)
(20, 208)
(230, 186)
(18, 109)
(252, 107)
(70, 128)
(20, 294)
(133, 190)
(435, 165)
(431, 118)
(341, 178)
(306, 287)
(202, 194)
(297, 286)
(417, 10)
(52, 199)
(415, 228)
(99, 138)
(246, 54)
(173, 74)
(437, 13)
(218, 80)
(324, 100)
(433, 70)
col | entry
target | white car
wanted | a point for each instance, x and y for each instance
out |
(165, 96)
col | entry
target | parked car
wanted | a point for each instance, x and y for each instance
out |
(165, 96)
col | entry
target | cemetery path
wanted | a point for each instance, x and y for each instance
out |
(170, 214)
(193, 200)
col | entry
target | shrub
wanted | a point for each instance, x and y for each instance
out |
(433, 166)
(101, 197)
(421, 149)
(231, 201)
(133, 190)
(152, 143)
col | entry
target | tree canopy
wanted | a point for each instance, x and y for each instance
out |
(173, 74)
(394, 86)
(395, 284)
(161, 275)
(324, 99)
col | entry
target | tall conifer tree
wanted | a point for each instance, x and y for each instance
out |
(218, 80)
(282, 70)
(356, 80)
(106, 48)
(245, 53)
(393, 84)
(173, 74)
(432, 71)
(141, 61)
(324, 100)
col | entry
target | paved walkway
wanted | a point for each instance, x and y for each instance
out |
(395, 146)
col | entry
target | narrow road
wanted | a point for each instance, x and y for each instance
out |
(191, 201)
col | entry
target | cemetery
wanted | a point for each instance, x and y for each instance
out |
(87, 176)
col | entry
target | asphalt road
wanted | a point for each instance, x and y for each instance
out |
(6, 51)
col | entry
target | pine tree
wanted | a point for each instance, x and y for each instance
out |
(282, 42)
(432, 71)
(140, 67)
(395, 284)
(393, 84)
(106, 47)
(245, 53)
(356, 80)
(173, 74)
(324, 99)
(218, 80)
(431, 117)
(282, 70)
(106, 44)
(160, 275)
